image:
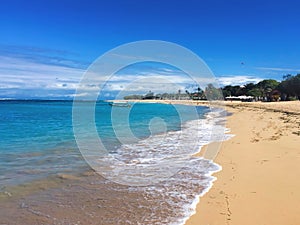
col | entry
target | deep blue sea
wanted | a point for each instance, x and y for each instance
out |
(37, 141)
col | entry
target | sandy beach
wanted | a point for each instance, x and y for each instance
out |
(259, 182)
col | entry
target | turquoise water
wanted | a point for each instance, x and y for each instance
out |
(37, 137)
(149, 176)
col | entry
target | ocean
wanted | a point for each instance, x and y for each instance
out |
(149, 174)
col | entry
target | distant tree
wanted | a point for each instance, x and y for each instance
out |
(133, 97)
(149, 95)
(296, 85)
(267, 86)
(250, 86)
(165, 96)
(188, 93)
(200, 93)
(287, 76)
(199, 89)
(213, 93)
(255, 92)
(158, 96)
(232, 90)
(179, 92)
(290, 87)
(226, 92)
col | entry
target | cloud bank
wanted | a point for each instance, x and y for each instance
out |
(34, 73)
(237, 79)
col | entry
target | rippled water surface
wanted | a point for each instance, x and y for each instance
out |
(44, 178)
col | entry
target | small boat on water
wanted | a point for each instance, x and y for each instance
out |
(119, 104)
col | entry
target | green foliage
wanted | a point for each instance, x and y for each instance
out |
(269, 89)
(238, 90)
(133, 97)
(213, 93)
(291, 86)
(255, 92)
(198, 94)
(267, 85)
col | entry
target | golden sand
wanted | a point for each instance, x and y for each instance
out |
(259, 183)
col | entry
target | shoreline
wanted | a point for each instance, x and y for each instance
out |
(260, 131)
(27, 199)
(255, 185)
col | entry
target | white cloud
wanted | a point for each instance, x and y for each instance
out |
(19, 73)
(237, 79)
(141, 81)
(22, 76)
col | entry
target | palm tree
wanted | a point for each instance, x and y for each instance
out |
(179, 91)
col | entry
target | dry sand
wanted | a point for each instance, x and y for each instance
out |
(259, 183)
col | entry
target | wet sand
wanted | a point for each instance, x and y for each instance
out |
(90, 199)
(259, 183)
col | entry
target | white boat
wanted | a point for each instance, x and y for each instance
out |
(119, 104)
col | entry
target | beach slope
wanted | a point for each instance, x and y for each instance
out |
(259, 183)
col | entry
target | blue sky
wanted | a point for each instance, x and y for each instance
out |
(45, 46)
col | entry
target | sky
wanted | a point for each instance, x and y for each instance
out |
(46, 46)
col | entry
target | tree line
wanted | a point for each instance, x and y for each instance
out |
(266, 90)
(269, 89)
